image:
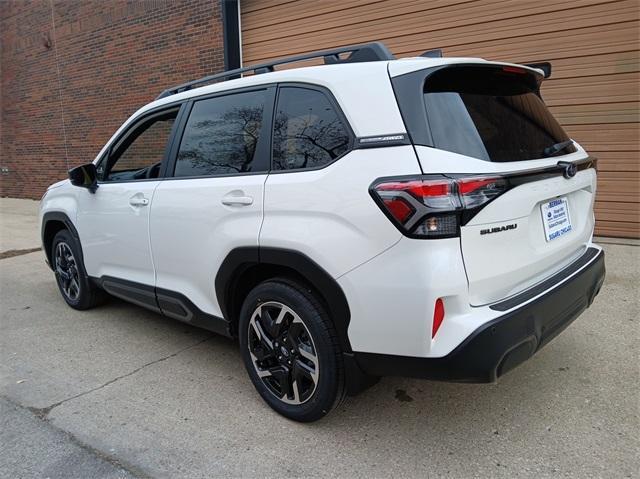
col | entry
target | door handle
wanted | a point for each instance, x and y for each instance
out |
(137, 201)
(231, 200)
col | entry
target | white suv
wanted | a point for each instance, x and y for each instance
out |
(423, 217)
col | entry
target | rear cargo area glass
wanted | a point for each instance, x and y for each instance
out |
(490, 113)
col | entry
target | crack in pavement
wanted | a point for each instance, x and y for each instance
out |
(43, 413)
(114, 461)
(17, 252)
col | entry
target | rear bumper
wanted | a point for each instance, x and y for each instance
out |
(501, 344)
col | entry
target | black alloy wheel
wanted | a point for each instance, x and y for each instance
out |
(290, 350)
(283, 353)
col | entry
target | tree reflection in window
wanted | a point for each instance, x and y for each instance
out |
(221, 135)
(307, 132)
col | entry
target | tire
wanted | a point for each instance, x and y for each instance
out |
(75, 286)
(301, 376)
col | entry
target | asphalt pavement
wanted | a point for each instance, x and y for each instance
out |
(122, 392)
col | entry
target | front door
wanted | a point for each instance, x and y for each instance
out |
(113, 222)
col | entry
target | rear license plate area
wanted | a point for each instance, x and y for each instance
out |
(556, 218)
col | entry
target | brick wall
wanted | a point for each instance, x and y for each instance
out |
(76, 69)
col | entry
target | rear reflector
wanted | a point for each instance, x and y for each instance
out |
(438, 316)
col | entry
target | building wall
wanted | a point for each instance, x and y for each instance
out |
(593, 45)
(73, 71)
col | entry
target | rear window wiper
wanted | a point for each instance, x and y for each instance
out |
(557, 148)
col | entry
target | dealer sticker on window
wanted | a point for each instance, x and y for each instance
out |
(555, 218)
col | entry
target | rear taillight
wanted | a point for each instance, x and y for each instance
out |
(432, 206)
(476, 192)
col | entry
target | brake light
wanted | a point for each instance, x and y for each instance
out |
(433, 193)
(432, 206)
(509, 69)
(469, 186)
(478, 191)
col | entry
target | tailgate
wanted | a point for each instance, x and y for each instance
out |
(506, 247)
(525, 190)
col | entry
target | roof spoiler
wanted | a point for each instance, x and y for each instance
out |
(544, 66)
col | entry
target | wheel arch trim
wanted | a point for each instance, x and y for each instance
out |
(61, 217)
(239, 260)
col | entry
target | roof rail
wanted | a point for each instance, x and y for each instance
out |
(368, 52)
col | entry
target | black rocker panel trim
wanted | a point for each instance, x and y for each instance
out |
(136, 293)
(178, 306)
(240, 260)
(169, 303)
(548, 283)
(59, 217)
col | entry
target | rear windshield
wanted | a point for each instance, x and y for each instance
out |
(493, 114)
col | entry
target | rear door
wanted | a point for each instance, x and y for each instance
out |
(488, 121)
(212, 200)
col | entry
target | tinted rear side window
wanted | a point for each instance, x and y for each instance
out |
(307, 133)
(493, 114)
(221, 135)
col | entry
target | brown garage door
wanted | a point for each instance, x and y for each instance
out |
(593, 45)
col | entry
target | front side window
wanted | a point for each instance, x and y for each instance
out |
(494, 114)
(221, 135)
(308, 133)
(139, 154)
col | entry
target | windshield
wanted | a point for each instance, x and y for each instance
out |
(494, 114)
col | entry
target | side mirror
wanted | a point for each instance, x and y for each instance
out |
(85, 176)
